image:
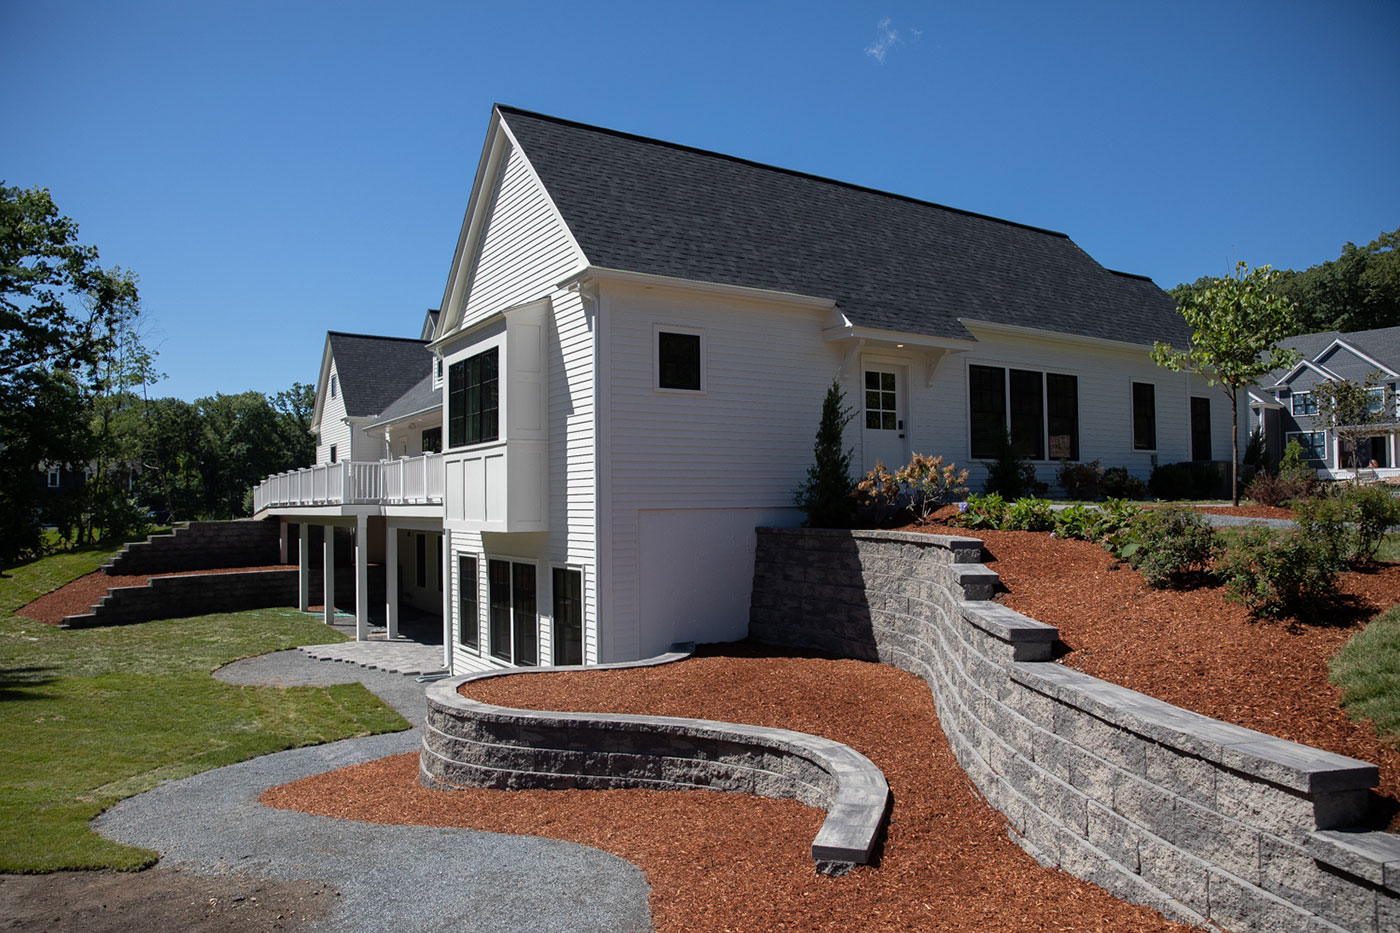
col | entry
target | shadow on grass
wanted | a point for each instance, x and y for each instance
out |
(19, 683)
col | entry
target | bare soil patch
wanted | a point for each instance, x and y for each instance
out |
(1198, 650)
(83, 593)
(158, 899)
(719, 861)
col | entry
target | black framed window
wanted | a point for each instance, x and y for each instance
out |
(473, 400)
(1062, 415)
(568, 616)
(432, 441)
(881, 400)
(1028, 414)
(986, 387)
(678, 361)
(469, 634)
(1200, 428)
(513, 625)
(1144, 416)
(332, 453)
(1314, 443)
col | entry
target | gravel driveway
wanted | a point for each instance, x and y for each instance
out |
(390, 877)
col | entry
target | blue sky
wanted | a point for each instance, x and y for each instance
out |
(276, 170)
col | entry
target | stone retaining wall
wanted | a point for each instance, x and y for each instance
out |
(202, 546)
(1203, 820)
(471, 744)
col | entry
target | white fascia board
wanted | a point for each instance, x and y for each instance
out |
(1262, 401)
(599, 274)
(1339, 342)
(1054, 335)
(848, 331)
(493, 151)
(318, 408)
(1322, 371)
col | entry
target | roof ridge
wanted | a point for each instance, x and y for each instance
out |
(1131, 275)
(636, 137)
(344, 333)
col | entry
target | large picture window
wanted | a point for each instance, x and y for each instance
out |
(1144, 416)
(1314, 443)
(1040, 410)
(473, 400)
(514, 623)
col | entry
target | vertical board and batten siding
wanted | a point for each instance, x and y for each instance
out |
(334, 429)
(699, 471)
(524, 250)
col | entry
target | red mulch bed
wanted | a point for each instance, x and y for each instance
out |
(720, 861)
(82, 594)
(1195, 648)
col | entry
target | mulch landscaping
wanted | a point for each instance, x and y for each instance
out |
(718, 861)
(82, 594)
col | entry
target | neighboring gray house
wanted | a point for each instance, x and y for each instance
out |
(634, 344)
(1283, 407)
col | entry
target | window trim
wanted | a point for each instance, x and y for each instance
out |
(500, 408)
(1133, 417)
(656, 331)
(475, 645)
(1326, 444)
(1045, 406)
(583, 611)
(1293, 405)
(487, 653)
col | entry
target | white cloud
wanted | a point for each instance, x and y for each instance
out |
(886, 38)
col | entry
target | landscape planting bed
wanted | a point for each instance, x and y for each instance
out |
(83, 593)
(720, 861)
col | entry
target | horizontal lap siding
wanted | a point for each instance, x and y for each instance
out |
(334, 430)
(524, 252)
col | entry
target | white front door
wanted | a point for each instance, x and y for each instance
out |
(884, 411)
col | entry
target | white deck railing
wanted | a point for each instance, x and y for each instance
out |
(412, 481)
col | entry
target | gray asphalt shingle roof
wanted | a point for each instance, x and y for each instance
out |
(891, 262)
(1381, 344)
(421, 397)
(375, 371)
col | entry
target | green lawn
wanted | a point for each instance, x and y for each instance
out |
(91, 716)
(1368, 671)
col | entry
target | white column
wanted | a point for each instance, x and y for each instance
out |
(362, 578)
(328, 571)
(283, 526)
(391, 579)
(446, 598)
(304, 566)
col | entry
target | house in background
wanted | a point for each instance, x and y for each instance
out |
(1283, 407)
(635, 340)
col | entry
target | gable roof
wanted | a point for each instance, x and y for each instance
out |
(1381, 344)
(419, 398)
(374, 371)
(890, 262)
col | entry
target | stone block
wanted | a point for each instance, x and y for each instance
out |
(1114, 836)
(1236, 905)
(1295, 876)
(1145, 804)
(1185, 775)
(1177, 874)
(1217, 839)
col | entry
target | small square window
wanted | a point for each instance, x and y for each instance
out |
(678, 361)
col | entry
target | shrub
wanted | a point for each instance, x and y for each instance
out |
(877, 495)
(1375, 510)
(930, 484)
(1293, 465)
(986, 511)
(1010, 475)
(1189, 481)
(826, 494)
(1112, 523)
(1278, 574)
(1027, 514)
(1118, 483)
(1266, 489)
(1080, 480)
(1167, 546)
(1077, 522)
(1327, 522)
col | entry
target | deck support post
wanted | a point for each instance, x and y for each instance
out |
(391, 579)
(328, 571)
(304, 566)
(361, 578)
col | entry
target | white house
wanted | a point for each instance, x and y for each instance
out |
(635, 340)
(1283, 407)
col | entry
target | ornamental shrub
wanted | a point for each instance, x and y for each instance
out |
(1267, 489)
(930, 484)
(1169, 546)
(1077, 522)
(987, 511)
(1118, 483)
(1011, 475)
(1027, 514)
(826, 494)
(1080, 480)
(1189, 481)
(1278, 574)
(877, 495)
(1112, 524)
(1375, 510)
(1327, 521)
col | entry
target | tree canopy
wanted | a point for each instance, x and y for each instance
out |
(1236, 324)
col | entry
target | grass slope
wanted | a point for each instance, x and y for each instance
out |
(91, 716)
(1368, 671)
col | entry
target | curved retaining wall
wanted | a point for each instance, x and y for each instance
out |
(1203, 820)
(471, 744)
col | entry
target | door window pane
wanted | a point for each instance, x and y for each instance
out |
(881, 401)
(524, 617)
(568, 616)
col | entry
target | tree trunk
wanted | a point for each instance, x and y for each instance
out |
(1235, 447)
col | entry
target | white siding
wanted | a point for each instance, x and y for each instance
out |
(334, 429)
(524, 249)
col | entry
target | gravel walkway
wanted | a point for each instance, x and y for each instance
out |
(390, 877)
